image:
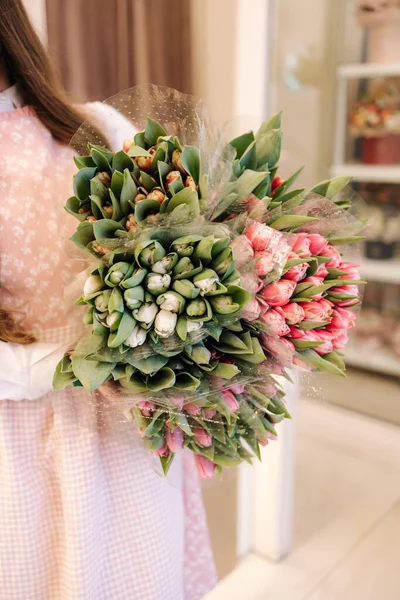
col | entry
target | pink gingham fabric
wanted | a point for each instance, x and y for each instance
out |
(83, 515)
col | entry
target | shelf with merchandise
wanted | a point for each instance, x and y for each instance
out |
(367, 173)
(368, 70)
(381, 360)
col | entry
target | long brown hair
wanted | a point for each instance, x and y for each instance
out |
(28, 65)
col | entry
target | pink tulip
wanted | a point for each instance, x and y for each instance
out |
(316, 281)
(300, 245)
(230, 400)
(278, 292)
(266, 263)
(177, 400)
(202, 436)
(251, 201)
(251, 311)
(163, 451)
(275, 320)
(192, 409)
(294, 313)
(334, 255)
(242, 250)
(322, 271)
(317, 311)
(327, 338)
(317, 244)
(261, 236)
(175, 439)
(146, 407)
(251, 283)
(296, 273)
(315, 335)
(343, 319)
(351, 271)
(238, 388)
(280, 348)
(340, 338)
(210, 413)
(204, 466)
(351, 290)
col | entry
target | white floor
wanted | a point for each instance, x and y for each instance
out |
(347, 516)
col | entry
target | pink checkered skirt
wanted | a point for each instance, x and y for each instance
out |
(84, 516)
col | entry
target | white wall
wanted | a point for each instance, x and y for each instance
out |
(230, 49)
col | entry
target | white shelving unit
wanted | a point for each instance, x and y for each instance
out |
(381, 360)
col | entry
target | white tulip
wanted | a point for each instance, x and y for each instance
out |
(136, 338)
(158, 282)
(92, 285)
(205, 285)
(170, 302)
(146, 313)
(165, 323)
(112, 318)
(194, 326)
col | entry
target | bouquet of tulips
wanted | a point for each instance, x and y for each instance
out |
(201, 294)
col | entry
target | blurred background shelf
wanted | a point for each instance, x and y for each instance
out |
(368, 70)
(372, 173)
(386, 271)
(380, 360)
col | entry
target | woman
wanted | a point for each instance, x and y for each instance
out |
(82, 514)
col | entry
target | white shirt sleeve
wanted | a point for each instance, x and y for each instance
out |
(111, 123)
(26, 372)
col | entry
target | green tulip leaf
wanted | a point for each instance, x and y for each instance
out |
(190, 159)
(163, 379)
(121, 161)
(153, 131)
(125, 328)
(100, 160)
(83, 235)
(242, 143)
(82, 182)
(128, 192)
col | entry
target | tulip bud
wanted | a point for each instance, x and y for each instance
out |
(146, 407)
(157, 195)
(104, 177)
(109, 211)
(136, 338)
(184, 246)
(166, 264)
(196, 308)
(134, 297)
(224, 305)
(175, 439)
(165, 323)
(128, 144)
(190, 182)
(157, 284)
(130, 222)
(96, 247)
(199, 354)
(205, 466)
(185, 288)
(230, 400)
(210, 413)
(202, 437)
(172, 176)
(146, 313)
(223, 261)
(92, 285)
(171, 301)
(192, 409)
(113, 320)
(205, 281)
(176, 160)
(193, 326)
(91, 219)
(150, 254)
(101, 301)
(83, 210)
(144, 162)
(116, 273)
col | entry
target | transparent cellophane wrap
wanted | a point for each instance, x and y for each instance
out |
(121, 403)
